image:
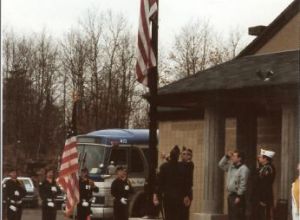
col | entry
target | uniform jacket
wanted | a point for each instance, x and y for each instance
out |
(48, 191)
(263, 184)
(237, 176)
(173, 181)
(189, 170)
(13, 192)
(120, 189)
(86, 189)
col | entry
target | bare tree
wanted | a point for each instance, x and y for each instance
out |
(191, 48)
(30, 112)
(198, 46)
(74, 59)
(104, 54)
(92, 27)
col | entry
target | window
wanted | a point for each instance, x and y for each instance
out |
(91, 157)
(27, 184)
(119, 156)
(137, 164)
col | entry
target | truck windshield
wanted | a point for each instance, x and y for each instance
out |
(91, 157)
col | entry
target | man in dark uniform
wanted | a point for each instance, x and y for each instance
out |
(13, 192)
(86, 189)
(263, 183)
(172, 187)
(120, 190)
(188, 166)
(48, 190)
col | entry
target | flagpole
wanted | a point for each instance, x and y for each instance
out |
(153, 85)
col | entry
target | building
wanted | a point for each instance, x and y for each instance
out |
(244, 103)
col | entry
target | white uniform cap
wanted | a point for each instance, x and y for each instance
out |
(267, 153)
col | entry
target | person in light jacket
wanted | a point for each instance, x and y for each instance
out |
(295, 197)
(237, 178)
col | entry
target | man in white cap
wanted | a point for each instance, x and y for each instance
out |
(263, 186)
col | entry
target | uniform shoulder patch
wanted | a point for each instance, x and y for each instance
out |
(267, 170)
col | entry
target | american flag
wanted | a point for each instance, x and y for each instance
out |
(68, 173)
(145, 55)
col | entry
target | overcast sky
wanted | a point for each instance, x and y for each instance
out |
(57, 16)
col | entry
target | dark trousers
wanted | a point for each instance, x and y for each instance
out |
(236, 211)
(186, 213)
(173, 209)
(120, 211)
(14, 215)
(83, 212)
(262, 212)
(48, 213)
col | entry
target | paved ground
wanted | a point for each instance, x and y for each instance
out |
(36, 214)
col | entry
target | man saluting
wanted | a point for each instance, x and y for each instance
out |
(263, 183)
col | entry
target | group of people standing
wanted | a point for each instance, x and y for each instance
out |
(174, 185)
(173, 191)
(175, 182)
(237, 185)
(14, 191)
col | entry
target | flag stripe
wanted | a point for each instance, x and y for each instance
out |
(153, 8)
(70, 157)
(142, 53)
(145, 23)
(70, 143)
(140, 76)
(68, 174)
(145, 55)
(71, 169)
(68, 152)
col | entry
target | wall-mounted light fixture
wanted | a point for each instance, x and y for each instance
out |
(265, 75)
